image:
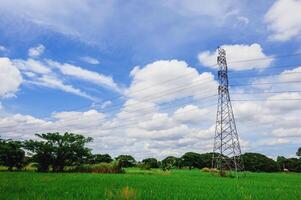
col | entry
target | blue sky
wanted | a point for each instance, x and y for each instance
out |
(91, 66)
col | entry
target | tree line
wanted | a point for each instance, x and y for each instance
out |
(55, 151)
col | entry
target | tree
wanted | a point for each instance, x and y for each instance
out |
(59, 150)
(152, 162)
(100, 158)
(192, 159)
(126, 160)
(11, 154)
(291, 164)
(298, 153)
(42, 152)
(256, 162)
(171, 162)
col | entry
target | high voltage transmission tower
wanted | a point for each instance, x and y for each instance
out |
(226, 150)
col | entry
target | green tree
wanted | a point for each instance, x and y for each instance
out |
(256, 162)
(298, 153)
(152, 162)
(11, 154)
(59, 150)
(192, 159)
(171, 162)
(100, 158)
(126, 160)
(291, 164)
(42, 152)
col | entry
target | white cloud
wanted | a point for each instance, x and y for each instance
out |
(213, 8)
(10, 78)
(288, 132)
(2, 48)
(243, 19)
(284, 19)
(192, 114)
(235, 54)
(159, 121)
(168, 80)
(141, 128)
(90, 60)
(36, 51)
(31, 65)
(55, 83)
(83, 74)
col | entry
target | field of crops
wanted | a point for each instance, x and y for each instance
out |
(154, 184)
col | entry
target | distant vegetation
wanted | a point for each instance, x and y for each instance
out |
(68, 152)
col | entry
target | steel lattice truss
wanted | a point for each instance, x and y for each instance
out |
(226, 150)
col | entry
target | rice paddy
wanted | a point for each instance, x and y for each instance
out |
(153, 184)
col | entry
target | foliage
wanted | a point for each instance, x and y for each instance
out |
(256, 162)
(42, 154)
(171, 162)
(104, 168)
(100, 158)
(290, 164)
(192, 159)
(152, 162)
(59, 150)
(126, 160)
(11, 154)
(144, 166)
(298, 153)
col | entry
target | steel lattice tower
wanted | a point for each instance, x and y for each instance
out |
(226, 150)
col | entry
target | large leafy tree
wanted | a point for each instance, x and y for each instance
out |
(59, 150)
(100, 158)
(126, 160)
(11, 154)
(192, 159)
(152, 162)
(171, 162)
(42, 152)
(256, 162)
(291, 164)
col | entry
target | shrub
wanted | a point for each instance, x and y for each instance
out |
(205, 169)
(211, 170)
(144, 166)
(104, 168)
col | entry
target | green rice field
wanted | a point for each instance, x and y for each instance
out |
(154, 184)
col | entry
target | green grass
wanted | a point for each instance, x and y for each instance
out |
(154, 184)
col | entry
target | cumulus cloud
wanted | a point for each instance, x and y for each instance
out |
(284, 20)
(10, 78)
(90, 60)
(36, 51)
(192, 114)
(239, 57)
(167, 80)
(141, 127)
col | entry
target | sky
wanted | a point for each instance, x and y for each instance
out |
(140, 76)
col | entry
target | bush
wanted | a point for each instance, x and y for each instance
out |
(256, 162)
(104, 168)
(206, 169)
(211, 170)
(144, 166)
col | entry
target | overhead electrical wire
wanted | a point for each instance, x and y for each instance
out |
(250, 60)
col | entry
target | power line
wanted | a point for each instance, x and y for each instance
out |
(187, 111)
(252, 84)
(158, 95)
